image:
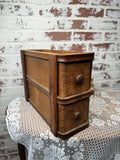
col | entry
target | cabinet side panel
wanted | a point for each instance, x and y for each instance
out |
(38, 70)
(40, 101)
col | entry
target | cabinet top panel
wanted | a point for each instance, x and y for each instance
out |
(61, 56)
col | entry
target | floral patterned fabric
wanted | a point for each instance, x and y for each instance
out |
(101, 141)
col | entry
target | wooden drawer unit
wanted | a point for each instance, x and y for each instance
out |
(57, 84)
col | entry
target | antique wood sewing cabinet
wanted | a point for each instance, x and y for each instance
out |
(57, 84)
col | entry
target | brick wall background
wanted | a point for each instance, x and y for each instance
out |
(78, 25)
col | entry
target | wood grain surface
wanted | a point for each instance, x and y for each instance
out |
(68, 115)
(67, 78)
(57, 84)
(53, 93)
(38, 70)
(40, 101)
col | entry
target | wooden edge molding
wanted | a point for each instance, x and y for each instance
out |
(56, 52)
(37, 55)
(71, 132)
(75, 58)
(53, 92)
(24, 74)
(74, 98)
(37, 85)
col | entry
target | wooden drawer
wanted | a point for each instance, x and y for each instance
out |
(57, 84)
(73, 77)
(73, 115)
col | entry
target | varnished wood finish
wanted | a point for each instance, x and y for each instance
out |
(38, 85)
(74, 98)
(21, 149)
(24, 74)
(73, 131)
(38, 70)
(67, 115)
(57, 84)
(75, 58)
(53, 93)
(35, 54)
(40, 100)
(6, 111)
(67, 77)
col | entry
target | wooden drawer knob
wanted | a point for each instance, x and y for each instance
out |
(78, 115)
(80, 78)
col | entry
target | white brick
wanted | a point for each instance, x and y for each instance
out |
(10, 91)
(102, 66)
(97, 57)
(102, 47)
(102, 25)
(12, 0)
(106, 75)
(7, 48)
(54, 1)
(12, 36)
(4, 101)
(10, 60)
(111, 36)
(57, 2)
(18, 23)
(17, 9)
(6, 71)
(45, 23)
(112, 3)
(115, 74)
(115, 84)
(40, 45)
(8, 82)
(102, 84)
(21, 36)
(116, 66)
(110, 57)
(28, 23)
(40, 1)
(2, 119)
(113, 13)
(40, 23)
(54, 11)
(8, 23)
(2, 110)
(34, 23)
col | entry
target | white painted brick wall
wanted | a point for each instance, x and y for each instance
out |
(80, 25)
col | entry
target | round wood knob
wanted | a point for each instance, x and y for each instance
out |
(80, 78)
(78, 115)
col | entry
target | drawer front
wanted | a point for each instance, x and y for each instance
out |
(73, 115)
(73, 78)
